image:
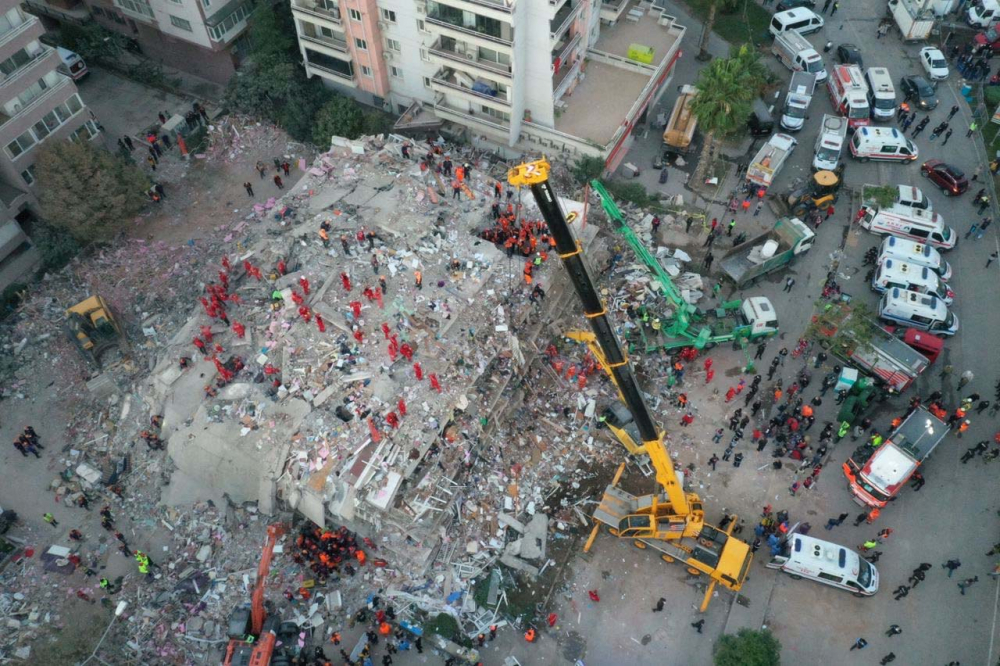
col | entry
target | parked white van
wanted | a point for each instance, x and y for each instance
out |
(892, 273)
(881, 94)
(800, 19)
(72, 65)
(882, 143)
(920, 311)
(913, 252)
(912, 223)
(827, 563)
(912, 197)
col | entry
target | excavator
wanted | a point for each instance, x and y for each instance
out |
(688, 326)
(92, 326)
(820, 192)
(251, 638)
(670, 521)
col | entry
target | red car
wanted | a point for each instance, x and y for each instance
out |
(990, 38)
(950, 179)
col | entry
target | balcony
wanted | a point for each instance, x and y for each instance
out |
(35, 103)
(565, 16)
(475, 90)
(492, 37)
(44, 52)
(339, 78)
(502, 5)
(612, 10)
(467, 57)
(447, 111)
(338, 46)
(18, 30)
(317, 10)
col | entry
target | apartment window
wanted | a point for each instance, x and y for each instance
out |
(21, 144)
(180, 23)
(493, 113)
(136, 7)
(355, 14)
(393, 45)
(86, 132)
(396, 71)
(420, 25)
(366, 70)
(14, 18)
(219, 31)
(20, 59)
(389, 15)
(177, 2)
(424, 56)
(361, 44)
(28, 175)
(427, 82)
(48, 124)
(326, 32)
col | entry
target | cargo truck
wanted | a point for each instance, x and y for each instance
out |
(868, 347)
(914, 22)
(770, 158)
(768, 252)
(680, 128)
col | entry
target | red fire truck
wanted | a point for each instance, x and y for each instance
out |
(849, 94)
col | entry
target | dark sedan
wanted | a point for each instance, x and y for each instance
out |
(849, 54)
(950, 179)
(918, 90)
(792, 4)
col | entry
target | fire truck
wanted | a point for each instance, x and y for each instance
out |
(849, 94)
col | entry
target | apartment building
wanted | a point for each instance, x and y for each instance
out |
(201, 37)
(37, 104)
(553, 76)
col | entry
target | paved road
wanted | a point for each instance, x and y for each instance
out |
(955, 515)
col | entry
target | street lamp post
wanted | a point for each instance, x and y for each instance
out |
(122, 605)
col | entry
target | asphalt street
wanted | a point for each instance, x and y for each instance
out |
(953, 516)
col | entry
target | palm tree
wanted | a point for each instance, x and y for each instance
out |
(726, 90)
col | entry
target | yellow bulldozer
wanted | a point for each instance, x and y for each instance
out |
(92, 326)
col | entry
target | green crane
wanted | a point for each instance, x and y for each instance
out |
(688, 326)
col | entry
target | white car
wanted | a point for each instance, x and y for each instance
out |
(934, 63)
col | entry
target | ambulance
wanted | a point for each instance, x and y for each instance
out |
(849, 94)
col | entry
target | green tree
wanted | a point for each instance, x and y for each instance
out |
(341, 116)
(587, 168)
(86, 191)
(298, 118)
(880, 195)
(748, 648)
(726, 90)
(263, 86)
(272, 32)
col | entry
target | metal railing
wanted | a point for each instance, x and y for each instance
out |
(318, 11)
(342, 75)
(14, 32)
(64, 81)
(569, 13)
(438, 50)
(329, 42)
(460, 88)
(19, 72)
(502, 5)
(441, 105)
(433, 20)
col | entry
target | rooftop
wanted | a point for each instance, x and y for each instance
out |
(645, 31)
(598, 105)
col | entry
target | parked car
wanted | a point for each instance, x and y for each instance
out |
(950, 179)
(792, 4)
(919, 90)
(982, 39)
(849, 54)
(934, 63)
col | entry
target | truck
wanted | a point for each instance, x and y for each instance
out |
(830, 143)
(679, 132)
(915, 22)
(769, 159)
(849, 94)
(876, 475)
(861, 343)
(797, 54)
(800, 92)
(768, 252)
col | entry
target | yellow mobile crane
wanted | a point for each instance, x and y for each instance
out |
(671, 521)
